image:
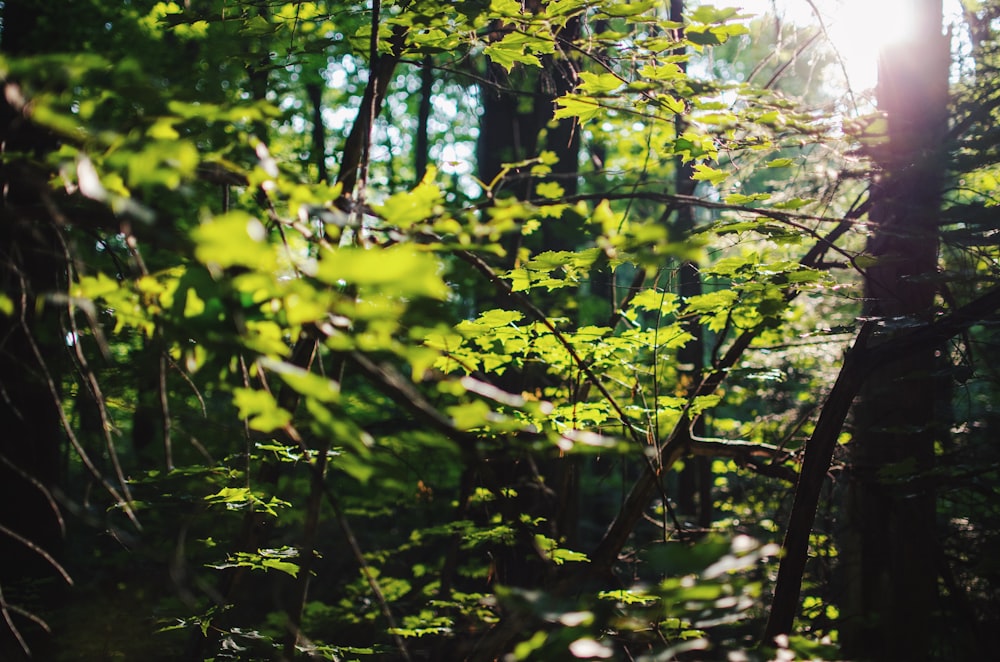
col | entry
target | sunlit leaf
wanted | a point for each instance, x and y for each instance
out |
(583, 108)
(599, 84)
(260, 409)
(400, 270)
(408, 207)
(234, 239)
(705, 173)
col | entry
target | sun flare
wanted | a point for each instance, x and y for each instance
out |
(858, 29)
(862, 28)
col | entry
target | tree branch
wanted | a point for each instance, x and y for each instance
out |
(859, 363)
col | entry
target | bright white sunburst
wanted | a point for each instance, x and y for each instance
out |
(862, 28)
(858, 29)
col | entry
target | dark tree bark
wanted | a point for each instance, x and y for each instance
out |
(889, 545)
(32, 346)
(422, 148)
(315, 93)
(694, 484)
(517, 124)
(31, 267)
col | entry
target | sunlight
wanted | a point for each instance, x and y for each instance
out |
(858, 29)
(862, 28)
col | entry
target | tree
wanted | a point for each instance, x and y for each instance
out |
(891, 542)
(900, 364)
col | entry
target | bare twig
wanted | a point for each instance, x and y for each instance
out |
(37, 550)
(41, 488)
(5, 610)
(125, 502)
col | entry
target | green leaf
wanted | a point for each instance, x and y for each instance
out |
(550, 190)
(703, 35)
(512, 49)
(234, 239)
(793, 204)
(671, 103)
(664, 72)
(303, 381)
(711, 14)
(704, 173)
(703, 402)
(558, 555)
(163, 162)
(740, 199)
(264, 559)
(571, 105)
(780, 163)
(260, 409)
(230, 495)
(711, 302)
(508, 8)
(408, 207)
(400, 270)
(628, 597)
(599, 84)
(621, 9)
(664, 303)
(470, 415)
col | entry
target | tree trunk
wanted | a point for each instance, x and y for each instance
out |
(31, 267)
(517, 124)
(694, 484)
(32, 348)
(889, 543)
(423, 147)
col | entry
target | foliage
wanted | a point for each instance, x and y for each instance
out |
(382, 414)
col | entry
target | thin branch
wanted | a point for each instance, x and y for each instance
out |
(836, 52)
(161, 387)
(370, 577)
(46, 493)
(37, 550)
(92, 383)
(5, 610)
(124, 501)
(859, 362)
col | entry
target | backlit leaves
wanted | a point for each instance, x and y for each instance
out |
(705, 173)
(398, 270)
(517, 47)
(581, 107)
(234, 239)
(422, 365)
(407, 208)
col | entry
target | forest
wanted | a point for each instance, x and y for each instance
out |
(507, 330)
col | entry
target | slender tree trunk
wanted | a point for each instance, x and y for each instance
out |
(516, 124)
(423, 116)
(315, 93)
(889, 546)
(32, 349)
(694, 486)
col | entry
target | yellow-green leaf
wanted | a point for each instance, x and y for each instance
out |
(550, 190)
(572, 105)
(780, 163)
(398, 270)
(408, 207)
(704, 173)
(592, 83)
(234, 239)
